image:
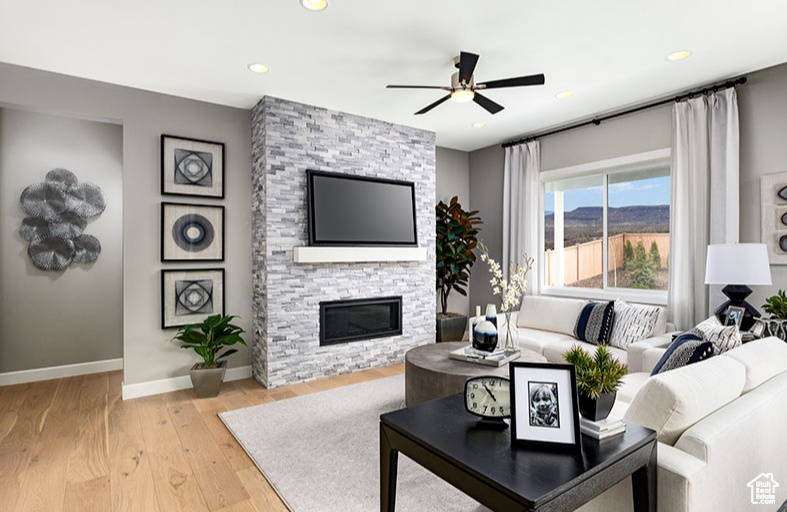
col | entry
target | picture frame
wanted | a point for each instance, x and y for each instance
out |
(545, 407)
(192, 167)
(192, 232)
(759, 329)
(773, 216)
(189, 296)
(734, 316)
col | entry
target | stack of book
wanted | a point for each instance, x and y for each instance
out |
(611, 426)
(496, 358)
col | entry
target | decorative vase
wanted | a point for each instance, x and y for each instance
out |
(775, 327)
(491, 314)
(512, 336)
(485, 337)
(207, 381)
(596, 409)
(451, 327)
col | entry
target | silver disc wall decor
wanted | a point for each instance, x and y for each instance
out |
(58, 210)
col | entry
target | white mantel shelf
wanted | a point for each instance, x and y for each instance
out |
(357, 254)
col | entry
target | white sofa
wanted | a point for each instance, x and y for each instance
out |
(546, 325)
(720, 425)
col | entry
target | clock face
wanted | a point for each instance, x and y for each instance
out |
(488, 397)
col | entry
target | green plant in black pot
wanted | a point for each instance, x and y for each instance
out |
(209, 339)
(598, 377)
(776, 306)
(456, 240)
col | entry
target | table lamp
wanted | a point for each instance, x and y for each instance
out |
(736, 266)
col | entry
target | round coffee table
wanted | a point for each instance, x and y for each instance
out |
(430, 374)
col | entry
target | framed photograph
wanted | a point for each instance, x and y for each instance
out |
(190, 296)
(545, 406)
(192, 232)
(734, 316)
(759, 329)
(192, 167)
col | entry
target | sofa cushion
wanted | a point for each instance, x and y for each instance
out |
(595, 322)
(723, 338)
(671, 402)
(536, 340)
(549, 313)
(633, 323)
(661, 323)
(763, 359)
(685, 350)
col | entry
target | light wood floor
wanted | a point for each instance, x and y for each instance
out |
(73, 445)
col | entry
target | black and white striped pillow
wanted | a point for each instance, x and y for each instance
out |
(632, 323)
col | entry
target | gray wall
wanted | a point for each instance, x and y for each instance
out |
(147, 351)
(763, 109)
(762, 104)
(74, 316)
(288, 139)
(453, 179)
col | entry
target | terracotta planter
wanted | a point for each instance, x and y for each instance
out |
(207, 381)
(451, 328)
(596, 409)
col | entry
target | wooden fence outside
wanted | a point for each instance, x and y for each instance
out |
(584, 261)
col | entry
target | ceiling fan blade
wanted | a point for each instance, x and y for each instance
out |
(489, 105)
(433, 105)
(418, 87)
(467, 62)
(513, 82)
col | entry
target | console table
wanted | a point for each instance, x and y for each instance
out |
(442, 437)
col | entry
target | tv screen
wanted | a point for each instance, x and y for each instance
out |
(358, 210)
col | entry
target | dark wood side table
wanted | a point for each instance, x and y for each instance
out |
(442, 437)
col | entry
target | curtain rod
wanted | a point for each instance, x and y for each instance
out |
(598, 120)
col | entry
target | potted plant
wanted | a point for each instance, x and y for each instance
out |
(456, 240)
(598, 379)
(776, 306)
(208, 339)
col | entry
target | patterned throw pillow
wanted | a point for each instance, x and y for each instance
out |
(723, 338)
(686, 349)
(595, 322)
(632, 323)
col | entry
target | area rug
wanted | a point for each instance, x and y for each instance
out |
(321, 452)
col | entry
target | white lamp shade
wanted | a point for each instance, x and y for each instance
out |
(745, 264)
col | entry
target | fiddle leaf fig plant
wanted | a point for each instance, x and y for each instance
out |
(776, 306)
(456, 240)
(210, 337)
(597, 374)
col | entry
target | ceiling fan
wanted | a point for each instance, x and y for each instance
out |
(463, 87)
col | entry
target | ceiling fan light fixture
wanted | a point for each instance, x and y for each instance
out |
(684, 54)
(462, 95)
(314, 5)
(258, 68)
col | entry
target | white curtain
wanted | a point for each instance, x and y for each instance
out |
(521, 209)
(705, 199)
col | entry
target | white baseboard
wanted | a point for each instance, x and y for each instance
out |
(155, 387)
(59, 372)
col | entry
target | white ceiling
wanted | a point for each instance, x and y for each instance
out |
(610, 53)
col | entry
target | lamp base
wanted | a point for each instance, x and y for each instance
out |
(737, 294)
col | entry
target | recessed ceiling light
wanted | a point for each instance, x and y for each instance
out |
(685, 54)
(564, 95)
(314, 5)
(462, 95)
(259, 68)
(479, 124)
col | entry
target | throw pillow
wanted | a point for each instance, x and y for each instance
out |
(686, 349)
(595, 322)
(632, 323)
(723, 338)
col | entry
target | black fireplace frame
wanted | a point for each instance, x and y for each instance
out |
(326, 305)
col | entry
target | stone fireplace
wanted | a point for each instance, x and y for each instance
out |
(290, 298)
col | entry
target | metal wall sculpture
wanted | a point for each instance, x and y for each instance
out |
(58, 211)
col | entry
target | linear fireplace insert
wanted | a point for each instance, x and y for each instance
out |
(343, 321)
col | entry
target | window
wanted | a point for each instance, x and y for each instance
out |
(606, 229)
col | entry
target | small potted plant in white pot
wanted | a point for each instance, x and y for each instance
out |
(208, 339)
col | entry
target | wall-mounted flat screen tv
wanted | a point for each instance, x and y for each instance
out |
(348, 210)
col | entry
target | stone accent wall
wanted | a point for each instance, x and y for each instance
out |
(287, 139)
